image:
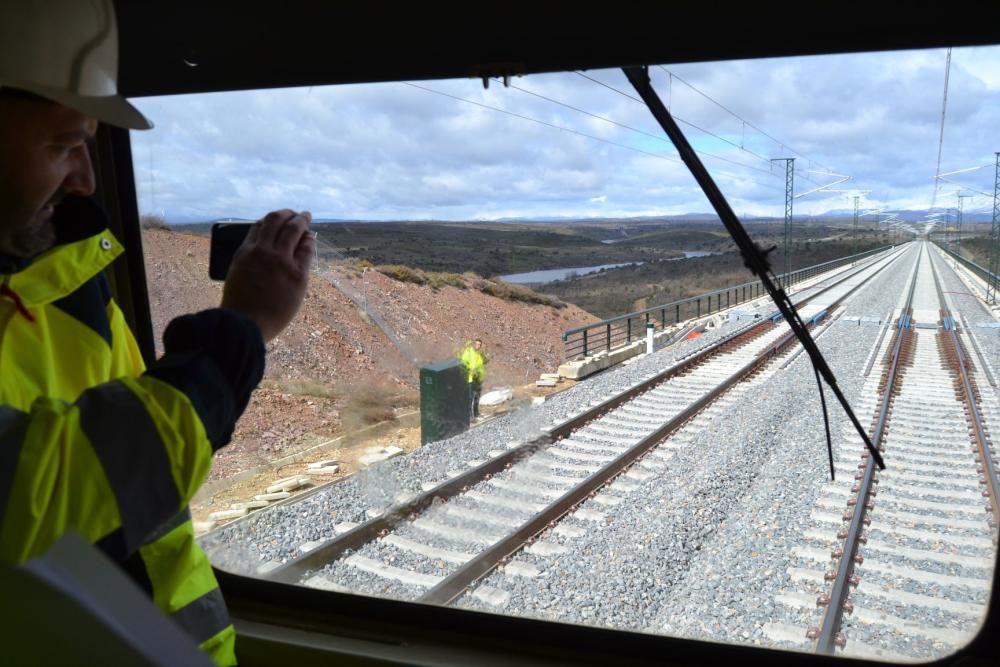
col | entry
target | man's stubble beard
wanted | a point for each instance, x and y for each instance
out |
(29, 241)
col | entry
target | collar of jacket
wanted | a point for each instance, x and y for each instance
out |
(83, 247)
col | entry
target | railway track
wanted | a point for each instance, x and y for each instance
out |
(911, 549)
(436, 546)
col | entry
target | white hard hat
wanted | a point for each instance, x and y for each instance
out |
(66, 51)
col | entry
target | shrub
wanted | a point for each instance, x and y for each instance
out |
(439, 279)
(509, 292)
(369, 405)
(153, 221)
(403, 274)
(307, 388)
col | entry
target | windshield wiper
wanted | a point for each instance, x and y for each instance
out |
(754, 256)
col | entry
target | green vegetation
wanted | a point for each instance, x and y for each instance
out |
(304, 388)
(976, 248)
(449, 254)
(509, 292)
(491, 249)
(154, 221)
(403, 274)
(371, 404)
(498, 288)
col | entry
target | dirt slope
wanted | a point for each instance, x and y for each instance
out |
(335, 369)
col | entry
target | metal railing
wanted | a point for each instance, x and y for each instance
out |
(615, 332)
(980, 271)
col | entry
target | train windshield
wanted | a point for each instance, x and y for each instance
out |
(532, 375)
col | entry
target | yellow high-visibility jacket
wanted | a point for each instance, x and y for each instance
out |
(92, 442)
(474, 362)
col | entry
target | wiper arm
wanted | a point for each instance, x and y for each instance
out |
(754, 257)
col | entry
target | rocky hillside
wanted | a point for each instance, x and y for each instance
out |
(337, 367)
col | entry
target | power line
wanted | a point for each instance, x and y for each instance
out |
(681, 120)
(541, 122)
(576, 132)
(671, 74)
(627, 127)
(944, 108)
(741, 118)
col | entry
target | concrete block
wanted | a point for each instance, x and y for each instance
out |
(325, 470)
(491, 596)
(550, 376)
(496, 397)
(568, 531)
(288, 484)
(345, 526)
(545, 383)
(280, 495)
(375, 455)
(306, 547)
(227, 514)
(324, 584)
(203, 526)
(268, 566)
(326, 463)
(543, 548)
(519, 569)
(285, 480)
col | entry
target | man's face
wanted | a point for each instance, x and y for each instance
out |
(479, 344)
(43, 158)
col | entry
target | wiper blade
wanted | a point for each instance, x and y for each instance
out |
(754, 257)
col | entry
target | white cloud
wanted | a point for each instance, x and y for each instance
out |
(386, 151)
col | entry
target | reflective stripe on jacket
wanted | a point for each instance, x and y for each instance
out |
(90, 441)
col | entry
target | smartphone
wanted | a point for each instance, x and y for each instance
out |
(227, 237)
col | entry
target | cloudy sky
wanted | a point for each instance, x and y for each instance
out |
(450, 150)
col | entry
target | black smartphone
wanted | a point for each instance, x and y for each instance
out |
(227, 237)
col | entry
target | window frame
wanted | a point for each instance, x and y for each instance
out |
(281, 623)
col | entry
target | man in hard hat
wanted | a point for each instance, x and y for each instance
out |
(474, 360)
(90, 440)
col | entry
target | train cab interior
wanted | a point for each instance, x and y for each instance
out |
(182, 47)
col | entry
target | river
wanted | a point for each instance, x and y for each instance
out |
(551, 275)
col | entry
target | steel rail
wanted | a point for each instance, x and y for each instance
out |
(465, 576)
(294, 570)
(962, 365)
(461, 579)
(828, 635)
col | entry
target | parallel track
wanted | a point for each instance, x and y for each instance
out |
(930, 526)
(528, 489)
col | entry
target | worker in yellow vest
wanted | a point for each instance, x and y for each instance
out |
(474, 360)
(91, 440)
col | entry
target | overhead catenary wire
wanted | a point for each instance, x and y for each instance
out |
(633, 129)
(743, 120)
(680, 120)
(944, 109)
(572, 131)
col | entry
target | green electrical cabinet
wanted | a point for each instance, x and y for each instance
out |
(445, 401)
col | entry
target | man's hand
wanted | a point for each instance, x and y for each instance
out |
(268, 277)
